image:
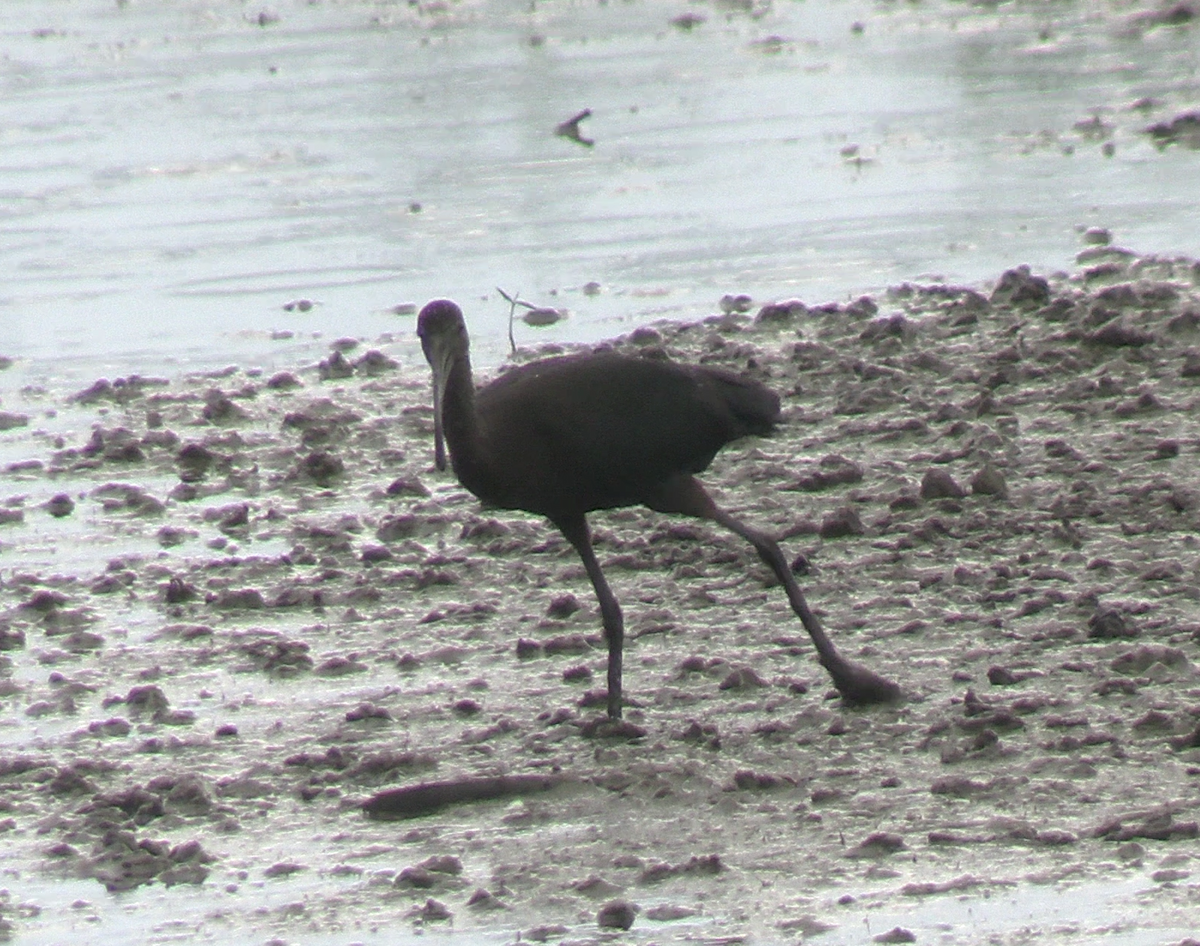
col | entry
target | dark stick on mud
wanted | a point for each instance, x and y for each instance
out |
(413, 801)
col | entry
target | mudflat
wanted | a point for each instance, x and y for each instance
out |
(236, 606)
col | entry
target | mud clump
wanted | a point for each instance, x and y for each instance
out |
(617, 915)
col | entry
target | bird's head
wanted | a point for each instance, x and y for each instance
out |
(440, 323)
(444, 339)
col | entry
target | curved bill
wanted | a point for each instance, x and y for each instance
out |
(440, 375)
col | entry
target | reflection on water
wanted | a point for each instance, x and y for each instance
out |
(175, 173)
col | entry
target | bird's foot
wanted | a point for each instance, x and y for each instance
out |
(862, 687)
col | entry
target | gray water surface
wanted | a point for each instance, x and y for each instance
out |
(173, 174)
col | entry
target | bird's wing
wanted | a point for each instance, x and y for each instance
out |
(605, 426)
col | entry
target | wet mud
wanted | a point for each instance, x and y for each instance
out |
(234, 607)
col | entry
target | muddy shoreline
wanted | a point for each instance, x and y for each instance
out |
(236, 606)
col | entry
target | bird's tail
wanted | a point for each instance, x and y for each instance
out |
(754, 406)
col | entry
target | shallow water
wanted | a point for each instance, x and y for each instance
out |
(174, 174)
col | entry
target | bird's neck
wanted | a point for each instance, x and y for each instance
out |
(459, 420)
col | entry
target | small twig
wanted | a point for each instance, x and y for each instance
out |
(513, 301)
(413, 801)
(570, 129)
(536, 316)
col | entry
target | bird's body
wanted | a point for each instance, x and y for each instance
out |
(565, 436)
(554, 437)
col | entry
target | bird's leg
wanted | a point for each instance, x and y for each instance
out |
(855, 683)
(575, 528)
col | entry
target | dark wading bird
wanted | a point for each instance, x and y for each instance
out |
(569, 435)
